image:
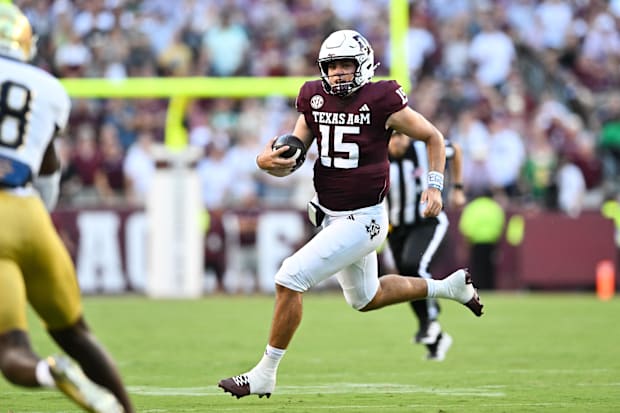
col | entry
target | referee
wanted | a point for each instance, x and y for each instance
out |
(413, 239)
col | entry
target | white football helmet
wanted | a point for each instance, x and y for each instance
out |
(16, 39)
(347, 44)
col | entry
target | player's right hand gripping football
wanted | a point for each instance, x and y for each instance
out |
(270, 161)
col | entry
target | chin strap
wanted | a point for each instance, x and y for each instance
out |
(49, 188)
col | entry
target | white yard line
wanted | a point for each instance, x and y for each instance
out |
(387, 407)
(334, 388)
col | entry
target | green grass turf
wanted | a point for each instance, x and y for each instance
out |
(528, 353)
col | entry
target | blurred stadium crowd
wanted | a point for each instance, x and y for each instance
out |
(530, 89)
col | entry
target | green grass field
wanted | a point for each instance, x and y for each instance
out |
(528, 353)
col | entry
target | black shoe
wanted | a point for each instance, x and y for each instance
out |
(438, 351)
(428, 333)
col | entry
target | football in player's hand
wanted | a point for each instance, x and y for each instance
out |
(296, 150)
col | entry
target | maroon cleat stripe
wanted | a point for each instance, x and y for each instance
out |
(475, 305)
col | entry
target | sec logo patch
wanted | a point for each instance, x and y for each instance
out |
(316, 102)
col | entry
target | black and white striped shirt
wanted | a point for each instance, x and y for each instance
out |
(407, 181)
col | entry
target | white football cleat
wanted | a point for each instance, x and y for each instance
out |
(71, 380)
(248, 383)
(462, 290)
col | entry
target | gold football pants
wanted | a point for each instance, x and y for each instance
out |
(35, 267)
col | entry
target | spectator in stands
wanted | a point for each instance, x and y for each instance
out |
(92, 17)
(600, 53)
(38, 16)
(458, 93)
(519, 15)
(447, 11)
(70, 182)
(110, 177)
(157, 27)
(224, 114)
(492, 52)
(176, 58)
(150, 115)
(141, 54)
(242, 155)
(269, 57)
(539, 170)
(72, 58)
(226, 47)
(583, 154)
(62, 27)
(217, 175)
(139, 168)
(113, 52)
(421, 44)
(225, 175)
(121, 113)
(86, 160)
(571, 187)
(506, 155)
(552, 19)
(567, 136)
(454, 51)
(84, 112)
(473, 137)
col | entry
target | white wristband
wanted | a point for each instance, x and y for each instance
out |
(435, 180)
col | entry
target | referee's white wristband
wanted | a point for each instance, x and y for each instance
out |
(435, 180)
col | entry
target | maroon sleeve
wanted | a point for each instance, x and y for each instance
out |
(301, 103)
(391, 98)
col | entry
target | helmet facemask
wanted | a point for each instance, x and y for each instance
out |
(341, 88)
(346, 45)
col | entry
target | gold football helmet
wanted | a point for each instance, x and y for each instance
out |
(16, 38)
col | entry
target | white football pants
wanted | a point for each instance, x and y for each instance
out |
(346, 246)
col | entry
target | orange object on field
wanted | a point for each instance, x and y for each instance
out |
(605, 280)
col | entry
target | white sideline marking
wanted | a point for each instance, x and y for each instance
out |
(335, 388)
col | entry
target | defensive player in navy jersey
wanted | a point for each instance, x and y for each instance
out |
(35, 267)
(352, 120)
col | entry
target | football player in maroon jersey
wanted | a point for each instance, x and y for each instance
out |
(352, 119)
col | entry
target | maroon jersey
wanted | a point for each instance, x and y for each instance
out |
(352, 170)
